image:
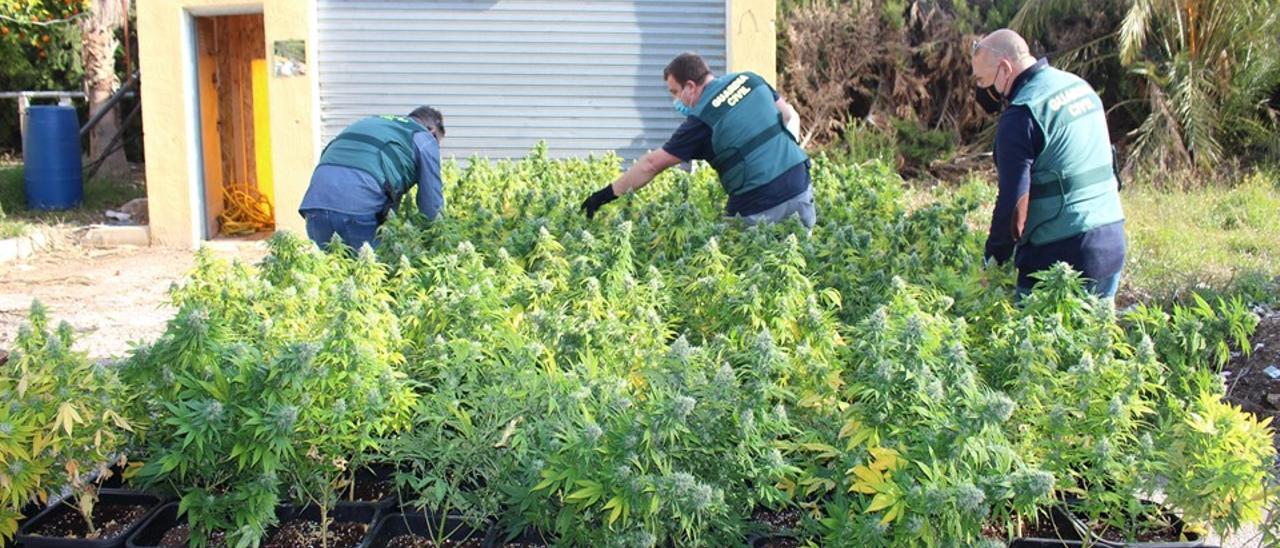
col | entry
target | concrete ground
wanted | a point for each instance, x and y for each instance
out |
(111, 296)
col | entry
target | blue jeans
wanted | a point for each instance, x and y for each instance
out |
(1105, 288)
(355, 230)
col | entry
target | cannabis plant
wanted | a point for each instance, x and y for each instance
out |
(61, 419)
(1219, 462)
(268, 382)
(923, 440)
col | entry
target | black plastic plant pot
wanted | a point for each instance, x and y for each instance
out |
(107, 498)
(772, 540)
(33, 509)
(1194, 539)
(450, 530)
(1038, 542)
(153, 530)
(375, 473)
(1057, 530)
(529, 538)
(367, 514)
(344, 511)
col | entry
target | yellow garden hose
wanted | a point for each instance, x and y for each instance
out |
(247, 211)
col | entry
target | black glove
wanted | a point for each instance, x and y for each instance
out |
(594, 201)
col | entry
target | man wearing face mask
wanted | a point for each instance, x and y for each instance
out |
(740, 125)
(1058, 194)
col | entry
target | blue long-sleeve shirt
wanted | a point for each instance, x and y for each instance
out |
(1098, 253)
(355, 192)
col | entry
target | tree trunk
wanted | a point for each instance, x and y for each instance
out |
(100, 80)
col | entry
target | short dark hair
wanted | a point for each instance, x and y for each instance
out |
(429, 118)
(687, 67)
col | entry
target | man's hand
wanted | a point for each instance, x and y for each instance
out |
(594, 201)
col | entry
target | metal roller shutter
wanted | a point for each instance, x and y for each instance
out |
(584, 75)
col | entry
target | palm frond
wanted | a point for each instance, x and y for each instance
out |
(1197, 111)
(1134, 30)
(1084, 59)
(1158, 140)
(1036, 16)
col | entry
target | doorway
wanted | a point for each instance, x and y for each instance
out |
(231, 61)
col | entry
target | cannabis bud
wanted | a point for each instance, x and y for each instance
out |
(879, 321)
(1116, 407)
(780, 411)
(306, 352)
(764, 342)
(913, 332)
(1084, 367)
(1029, 485)
(197, 320)
(956, 354)
(1103, 449)
(592, 432)
(213, 410)
(642, 539)
(774, 458)
(969, 497)
(680, 350)
(284, 418)
(725, 375)
(682, 406)
(701, 496)
(1146, 350)
(998, 409)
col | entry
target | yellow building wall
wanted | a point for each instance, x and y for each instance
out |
(174, 173)
(295, 112)
(752, 37)
(166, 51)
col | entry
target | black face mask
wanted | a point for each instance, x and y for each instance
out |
(989, 99)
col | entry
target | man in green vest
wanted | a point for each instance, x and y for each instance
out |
(1058, 198)
(365, 171)
(740, 125)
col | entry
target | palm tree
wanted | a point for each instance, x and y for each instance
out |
(1205, 69)
(100, 80)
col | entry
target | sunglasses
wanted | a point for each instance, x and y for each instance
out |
(977, 44)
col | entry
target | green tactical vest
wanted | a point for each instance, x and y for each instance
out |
(750, 141)
(1073, 187)
(381, 146)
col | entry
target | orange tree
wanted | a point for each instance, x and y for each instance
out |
(39, 50)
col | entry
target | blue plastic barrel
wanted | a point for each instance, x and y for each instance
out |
(51, 158)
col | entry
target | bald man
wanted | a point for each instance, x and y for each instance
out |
(1058, 194)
